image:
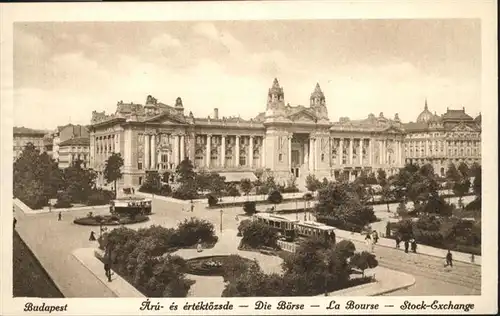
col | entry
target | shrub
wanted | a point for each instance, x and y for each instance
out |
(63, 200)
(109, 220)
(212, 200)
(249, 208)
(100, 197)
(244, 224)
(191, 230)
(258, 234)
(275, 197)
(166, 190)
(261, 190)
(233, 191)
(363, 261)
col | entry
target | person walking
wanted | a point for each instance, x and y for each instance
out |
(369, 242)
(449, 259)
(92, 236)
(375, 237)
(413, 245)
(192, 206)
(407, 245)
(398, 241)
(59, 216)
(198, 247)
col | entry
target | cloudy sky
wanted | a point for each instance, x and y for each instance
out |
(63, 71)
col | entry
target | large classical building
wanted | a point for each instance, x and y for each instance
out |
(453, 137)
(291, 141)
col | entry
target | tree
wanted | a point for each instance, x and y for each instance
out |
(79, 182)
(249, 207)
(258, 234)
(185, 172)
(166, 176)
(246, 186)
(363, 261)
(452, 175)
(464, 170)
(372, 179)
(275, 197)
(37, 177)
(387, 195)
(152, 183)
(381, 177)
(312, 183)
(476, 185)
(233, 191)
(112, 169)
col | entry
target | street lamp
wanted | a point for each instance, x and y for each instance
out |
(296, 210)
(327, 265)
(221, 212)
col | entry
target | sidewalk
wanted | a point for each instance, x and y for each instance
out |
(28, 211)
(118, 285)
(421, 249)
(386, 281)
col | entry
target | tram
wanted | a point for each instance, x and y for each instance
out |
(282, 225)
(128, 205)
(319, 230)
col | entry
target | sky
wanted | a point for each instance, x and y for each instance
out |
(65, 70)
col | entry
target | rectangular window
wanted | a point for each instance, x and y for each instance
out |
(140, 180)
(139, 165)
(280, 157)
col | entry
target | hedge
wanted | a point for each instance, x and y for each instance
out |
(110, 220)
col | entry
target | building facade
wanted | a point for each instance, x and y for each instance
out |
(291, 141)
(23, 136)
(64, 133)
(453, 137)
(72, 150)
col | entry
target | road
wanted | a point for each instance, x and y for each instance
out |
(53, 241)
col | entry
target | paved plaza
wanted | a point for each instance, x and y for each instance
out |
(54, 242)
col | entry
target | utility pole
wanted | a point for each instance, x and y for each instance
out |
(221, 212)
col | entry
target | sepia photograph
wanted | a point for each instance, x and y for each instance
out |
(248, 158)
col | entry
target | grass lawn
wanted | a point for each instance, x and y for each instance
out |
(29, 277)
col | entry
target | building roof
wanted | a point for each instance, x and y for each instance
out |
(456, 115)
(28, 131)
(478, 119)
(237, 176)
(78, 141)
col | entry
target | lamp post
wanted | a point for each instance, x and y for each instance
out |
(221, 212)
(296, 210)
(326, 277)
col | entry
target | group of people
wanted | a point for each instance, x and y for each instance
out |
(407, 243)
(371, 239)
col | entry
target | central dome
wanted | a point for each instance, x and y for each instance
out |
(425, 116)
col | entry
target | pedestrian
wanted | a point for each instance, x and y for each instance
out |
(133, 191)
(107, 271)
(407, 245)
(472, 258)
(449, 259)
(237, 218)
(375, 237)
(198, 247)
(15, 222)
(398, 241)
(92, 236)
(413, 245)
(192, 206)
(59, 216)
(369, 242)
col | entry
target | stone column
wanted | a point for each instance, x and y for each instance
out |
(183, 149)
(381, 154)
(223, 151)
(153, 152)
(263, 152)
(289, 152)
(127, 156)
(250, 152)
(341, 151)
(351, 146)
(370, 152)
(361, 151)
(315, 150)
(311, 154)
(146, 152)
(209, 143)
(118, 143)
(237, 149)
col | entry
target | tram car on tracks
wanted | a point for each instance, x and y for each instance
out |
(290, 229)
(131, 204)
(284, 226)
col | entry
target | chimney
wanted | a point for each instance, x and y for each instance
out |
(216, 113)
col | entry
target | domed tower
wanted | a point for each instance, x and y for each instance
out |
(426, 115)
(178, 106)
(275, 97)
(318, 102)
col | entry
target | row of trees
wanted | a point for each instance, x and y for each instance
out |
(315, 268)
(37, 179)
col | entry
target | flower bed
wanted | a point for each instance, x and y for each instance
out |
(110, 220)
(209, 266)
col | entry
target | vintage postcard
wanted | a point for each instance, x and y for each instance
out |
(248, 158)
